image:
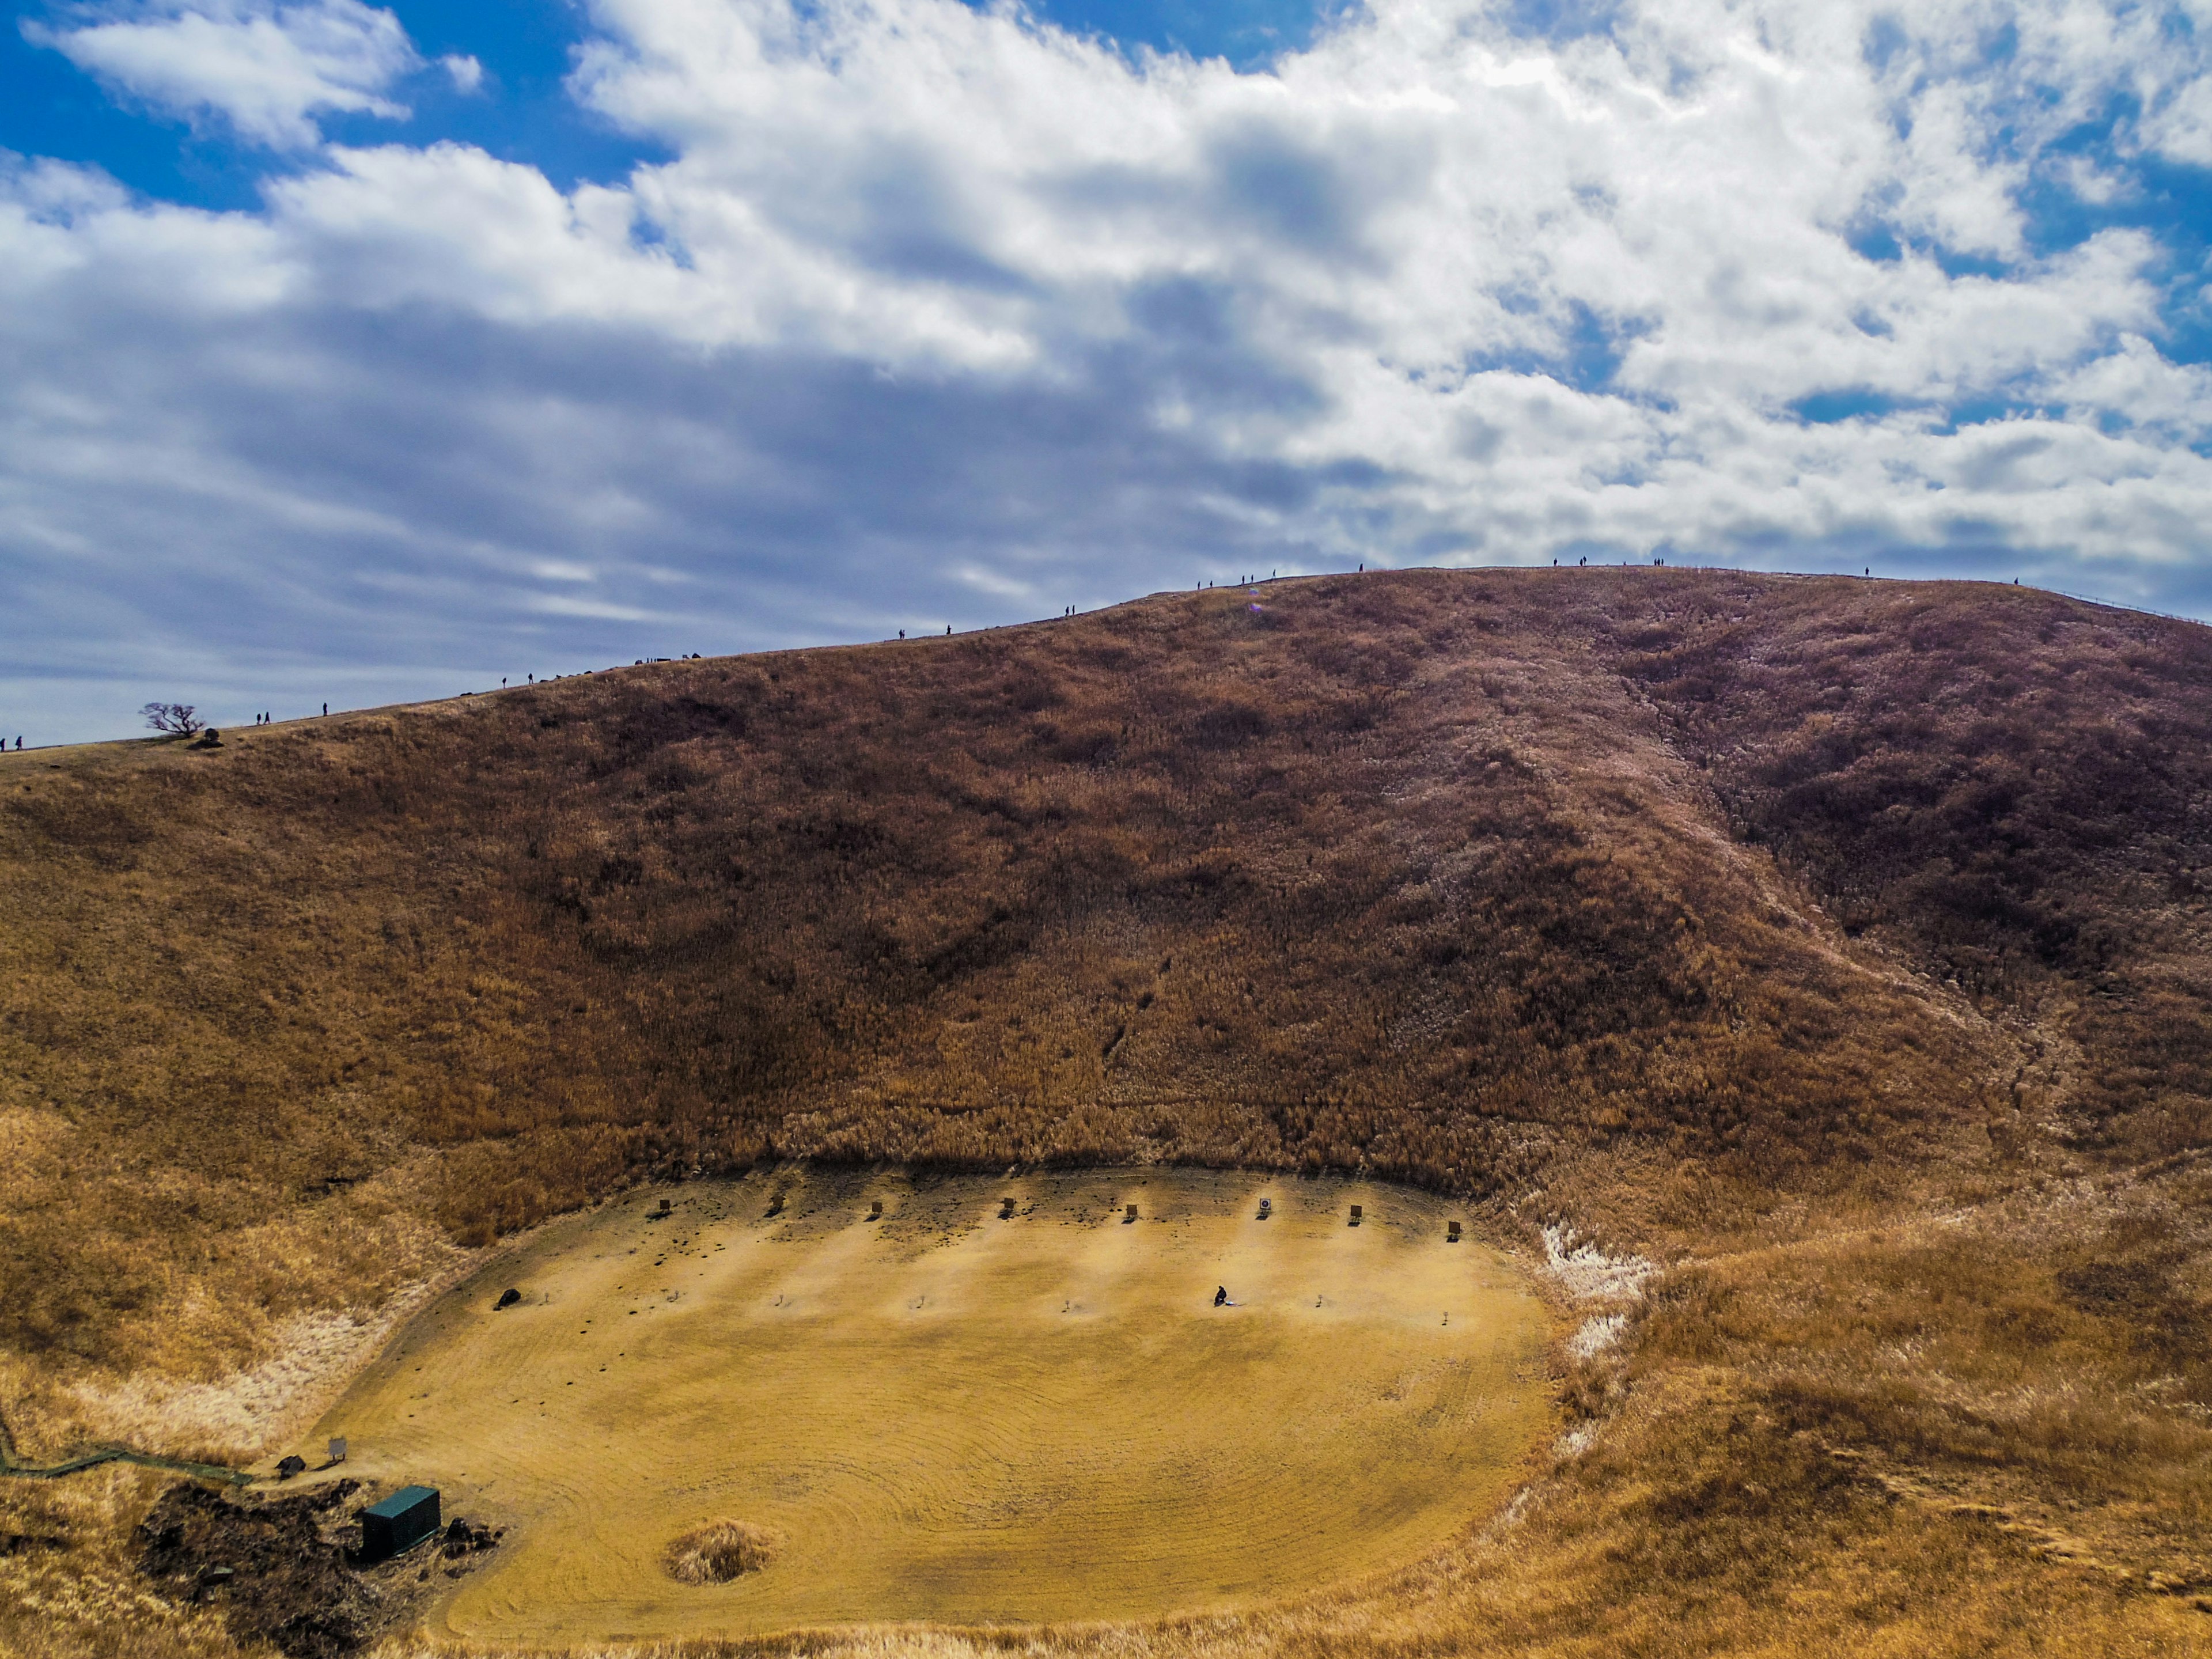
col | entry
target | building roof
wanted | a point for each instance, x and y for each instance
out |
(400, 1502)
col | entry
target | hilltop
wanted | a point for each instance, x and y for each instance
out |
(1837, 948)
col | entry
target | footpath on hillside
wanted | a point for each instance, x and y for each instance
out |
(11, 1464)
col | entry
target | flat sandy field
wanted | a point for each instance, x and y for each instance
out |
(949, 1417)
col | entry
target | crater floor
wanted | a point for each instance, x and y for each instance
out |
(954, 1417)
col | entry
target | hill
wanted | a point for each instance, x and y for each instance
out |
(1837, 948)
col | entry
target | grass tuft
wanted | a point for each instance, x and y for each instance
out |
(719, 1550)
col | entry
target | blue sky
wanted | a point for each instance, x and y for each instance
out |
(522, 113)
(359, 352)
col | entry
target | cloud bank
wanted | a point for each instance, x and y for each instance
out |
(940, 314)
(268, 68)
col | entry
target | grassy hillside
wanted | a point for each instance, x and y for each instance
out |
(1838, 945)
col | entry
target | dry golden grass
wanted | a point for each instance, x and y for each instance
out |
(1875, 1579)
(68, 1583)
(1838, 946)
(719, 1550)
(950, 1415)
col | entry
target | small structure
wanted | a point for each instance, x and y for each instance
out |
(290, 1465)
(507, 1298)
(1267, 1208)
(1451, 1232)
(1129, 1214)
(337, 1448)
(664, 1208)
(875, 1209)
(1354, 1222)
(398, 1524)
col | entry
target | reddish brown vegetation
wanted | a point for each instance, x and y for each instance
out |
(1433, 874)
(1691, 906)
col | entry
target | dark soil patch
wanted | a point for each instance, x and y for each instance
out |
(277, 1567)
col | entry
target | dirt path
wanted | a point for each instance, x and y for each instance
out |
(952, 1417)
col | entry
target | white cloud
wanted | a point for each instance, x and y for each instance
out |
(266, 67)
(465, 73)
(935, 309)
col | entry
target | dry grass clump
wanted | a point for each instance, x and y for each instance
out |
(718, 1552)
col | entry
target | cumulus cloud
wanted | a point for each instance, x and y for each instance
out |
(266, 67)
(939, 314)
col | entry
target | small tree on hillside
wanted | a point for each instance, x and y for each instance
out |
(175, 719)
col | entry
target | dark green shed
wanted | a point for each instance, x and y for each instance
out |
(398, 1524)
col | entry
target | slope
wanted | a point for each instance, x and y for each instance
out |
(1713, 916)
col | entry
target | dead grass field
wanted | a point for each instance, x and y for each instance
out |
(953, 1418)
(1841, 949)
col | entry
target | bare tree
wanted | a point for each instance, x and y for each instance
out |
(176, 718)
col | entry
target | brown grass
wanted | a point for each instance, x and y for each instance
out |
(719, 1552)
(1841, 945)
(70, 1587)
